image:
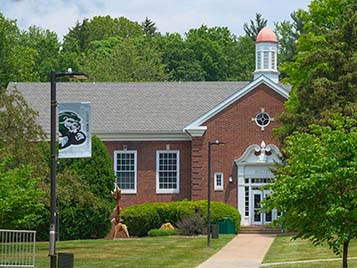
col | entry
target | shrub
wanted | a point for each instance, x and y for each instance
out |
(83, 193)
(193, 225)
(20, 200)
(160, 232)
(142, 218)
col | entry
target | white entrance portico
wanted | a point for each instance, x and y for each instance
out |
(253, 173)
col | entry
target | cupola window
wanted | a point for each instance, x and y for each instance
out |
(266, 60)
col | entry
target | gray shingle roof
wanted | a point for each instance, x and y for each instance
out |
(157, 107)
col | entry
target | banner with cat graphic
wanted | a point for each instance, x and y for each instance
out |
(74, 130)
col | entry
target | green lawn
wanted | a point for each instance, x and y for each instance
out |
(284, 249)
(173, 252)
(325, 264)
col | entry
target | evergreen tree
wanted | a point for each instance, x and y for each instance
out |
(255, 26)
(149, 28)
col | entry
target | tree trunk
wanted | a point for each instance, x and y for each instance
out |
(345, 253)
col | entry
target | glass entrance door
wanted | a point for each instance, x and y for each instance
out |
(257, 197)
(258, 214)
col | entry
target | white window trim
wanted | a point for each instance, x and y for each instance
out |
(218, 187)
(167, 191)
(127, 191)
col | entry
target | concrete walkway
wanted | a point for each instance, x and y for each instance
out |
(244, 251)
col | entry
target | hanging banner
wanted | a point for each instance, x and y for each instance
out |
(74, 130)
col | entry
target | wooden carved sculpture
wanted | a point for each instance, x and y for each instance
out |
(118, 230)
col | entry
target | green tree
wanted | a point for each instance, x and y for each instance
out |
(82, 214)
(323, 73)
(180, 60)
(119, 59)
(19, 130)
(17, 60)
(46, 46)
(99, 28)
(288, 33)
(316, 188)
(243, 60)
(149, 28)
(20, 202)
(97, 170)
(255, 26)
(212, 48)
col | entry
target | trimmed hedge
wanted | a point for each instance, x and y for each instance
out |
(142, 218)
(159, 232)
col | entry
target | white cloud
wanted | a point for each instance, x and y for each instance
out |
(169, 15)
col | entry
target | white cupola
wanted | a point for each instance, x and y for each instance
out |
(266, 50)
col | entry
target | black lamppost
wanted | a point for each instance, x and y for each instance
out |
(53, 123)
(217, 142)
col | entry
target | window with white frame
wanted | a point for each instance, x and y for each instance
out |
(167, 171)
(125, 166)
(218, 181)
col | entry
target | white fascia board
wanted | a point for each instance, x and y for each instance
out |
(196, 132)
(251, 86)
(143, 136)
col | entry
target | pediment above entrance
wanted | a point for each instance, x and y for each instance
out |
(260, 154)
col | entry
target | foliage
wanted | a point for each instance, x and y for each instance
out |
(144, 217)
(20, 206)
(149, 28)
(84, 200)
(46, 46)
(160, 232)
(19, 129)
(26, 55)
(97, 170)
(99, 28)
(193, 225)
(316, 188)
(287, 34)
(207, 54)
(255, 26)
(81, 213)
(323, 73)
(212, 49)
(243, 60)
(180, 60)
(123, 59)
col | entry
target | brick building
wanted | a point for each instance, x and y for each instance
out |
(158, 133)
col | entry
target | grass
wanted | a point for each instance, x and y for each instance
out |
(150, 252)
(325, 264)
(284, 249)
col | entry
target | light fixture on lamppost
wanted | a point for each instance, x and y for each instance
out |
(217, 142)
(53, 134)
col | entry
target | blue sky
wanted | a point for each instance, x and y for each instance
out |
(169, 15)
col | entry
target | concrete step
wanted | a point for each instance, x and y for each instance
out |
(259, 229)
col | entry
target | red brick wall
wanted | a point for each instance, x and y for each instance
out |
(146, 170)
(235, 127)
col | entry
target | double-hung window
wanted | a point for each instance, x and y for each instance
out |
(125, 166)
(218, 181)
(167, 171)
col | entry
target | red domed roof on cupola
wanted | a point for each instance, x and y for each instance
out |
(266, 35)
